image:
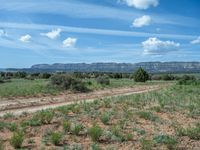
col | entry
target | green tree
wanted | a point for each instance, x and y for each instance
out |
(140, 75)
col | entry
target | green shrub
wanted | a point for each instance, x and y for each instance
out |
(167, 140)
(189, 82)
(192, 133)
(76, 128)
(20, 74)
(12, 127)
(66, 126)
(1, 81)
(63, 109)
(45, 116)
(31, 141)
(79, 86)
(62, 80)
(129, 137)
(34, 121)
(2, 125)
(103, 80)
(8, 115)
(188, 77)
(95, 146)
(76, 146)
(95, 132)
(140, 75)
(107, 103)
(67, 82)
(56, 138)
(168, 77)
(147, 115)
(105, 117)
(47, 136)
(116, 130)
(17, 139)
(45, 75)
(146, 144)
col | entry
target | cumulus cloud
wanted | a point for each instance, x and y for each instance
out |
(2, 33)
(142, 21)
(141, 4)
(197, 41)
(53, 34)
(154, 46)
(69, 42)
(25, 38)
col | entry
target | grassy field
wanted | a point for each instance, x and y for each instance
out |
(39, 87)
(165, 119)
(22, 87)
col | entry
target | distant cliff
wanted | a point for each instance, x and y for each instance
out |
(154, 67)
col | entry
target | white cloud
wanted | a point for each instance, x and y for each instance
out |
(25, 38)
(96, 31)
(142, 21)
(69, 42)
(53, 34)
(141, 4)
(197, 41)
(154, 46)
(2, 33)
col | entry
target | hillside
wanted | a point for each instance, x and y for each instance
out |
(153, 67)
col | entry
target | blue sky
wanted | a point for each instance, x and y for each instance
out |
(73, 31)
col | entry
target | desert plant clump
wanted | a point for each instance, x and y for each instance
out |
(95, 146)
(105, 117)
(12, 126)
(188, 80)
(192, 132)
(167, 77)
(103, 80)
(45, 75)
(140, 75)
(95, 132)
(66, 82)
(62, 81)
(45, 116)
(56, 138)
(170, 141)
(66, 126)
(8, 115)
(17, 139)
(79, 86)
(146, 144)
(3, 125)
(76, 128)
(46, 138)
(147, 115)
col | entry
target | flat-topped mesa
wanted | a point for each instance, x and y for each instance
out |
(154, 67)
(151, 67)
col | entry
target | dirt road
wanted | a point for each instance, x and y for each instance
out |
(18, 106)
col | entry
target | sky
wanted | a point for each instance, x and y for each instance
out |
(76, 31)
